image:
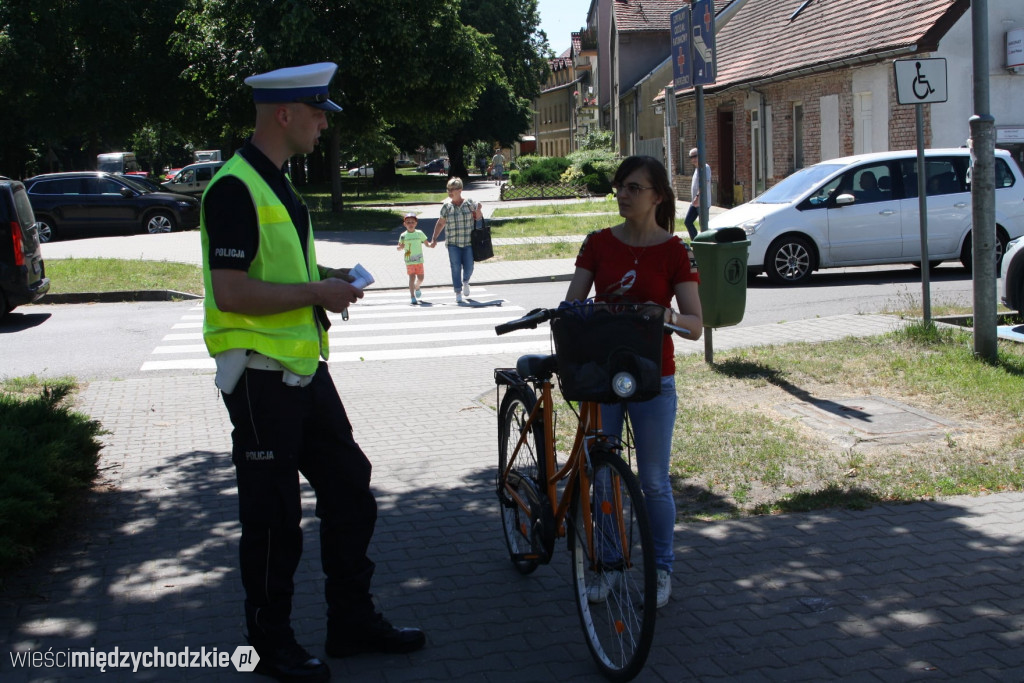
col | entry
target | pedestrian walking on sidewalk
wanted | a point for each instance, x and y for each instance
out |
(641, 261)
(694, 211)
(497, 166)
(265, 325)
(458, 214)
(411, 241)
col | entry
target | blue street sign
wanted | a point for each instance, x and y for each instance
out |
(682, 54)
(703, 20)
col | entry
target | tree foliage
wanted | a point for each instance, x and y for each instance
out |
(505, 108)
(89, 76)
(80, 76)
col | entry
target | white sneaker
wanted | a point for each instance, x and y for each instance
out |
(465, 289)
(458, 297)
(606, 582)
(664, 587)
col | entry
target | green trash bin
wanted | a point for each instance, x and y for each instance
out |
(722, 261)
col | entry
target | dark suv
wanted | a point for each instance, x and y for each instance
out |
(22, 275)
(69, 204)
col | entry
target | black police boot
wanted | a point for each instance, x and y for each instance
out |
(376, 636)
(289, 662)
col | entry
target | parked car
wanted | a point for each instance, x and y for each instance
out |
(433, 166)
(365, 171)
(22, 272)
(194, 178)
(70, 204)
(863, 210)
(145, 183)
(1011, 284)
(404, 163)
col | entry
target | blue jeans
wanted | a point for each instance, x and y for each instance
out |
(692, 214)
(653, 423)
(461, 260)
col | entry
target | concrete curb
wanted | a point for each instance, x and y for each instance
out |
(116, 297)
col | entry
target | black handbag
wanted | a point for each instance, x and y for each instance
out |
(481, 239)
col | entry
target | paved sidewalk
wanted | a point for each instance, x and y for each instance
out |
(928, 591)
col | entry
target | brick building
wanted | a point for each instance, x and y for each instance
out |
(803, 81)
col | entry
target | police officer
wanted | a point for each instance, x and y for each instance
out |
(265, 325)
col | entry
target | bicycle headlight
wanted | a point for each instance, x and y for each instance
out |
(624, 384)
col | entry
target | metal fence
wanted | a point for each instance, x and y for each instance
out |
(543, 191)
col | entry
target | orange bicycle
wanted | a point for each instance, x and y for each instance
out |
(604, 353)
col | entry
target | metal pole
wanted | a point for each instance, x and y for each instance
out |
(983, 193)
(709, 350)
(922, 208)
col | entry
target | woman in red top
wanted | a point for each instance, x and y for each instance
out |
(641, 261)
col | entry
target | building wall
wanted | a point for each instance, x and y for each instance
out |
(635, 56)
(1006, 90)
(834, 93)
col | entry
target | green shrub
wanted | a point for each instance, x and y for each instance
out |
(538, 170)
(48, 454)
(595, 167)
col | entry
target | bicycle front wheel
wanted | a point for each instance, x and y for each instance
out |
(519, 489)
(614, 575)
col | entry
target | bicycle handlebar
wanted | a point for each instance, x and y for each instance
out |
(530, 320)
(540, 315)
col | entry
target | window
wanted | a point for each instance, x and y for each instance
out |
(104, 186)
(756, 153)
(943, 175)
(868, 184)
(1004, 176)
(863, 125)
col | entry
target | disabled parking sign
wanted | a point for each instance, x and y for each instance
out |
(920, 81)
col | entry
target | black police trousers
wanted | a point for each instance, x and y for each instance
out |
(280, 431)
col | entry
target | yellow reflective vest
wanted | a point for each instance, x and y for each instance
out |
(294, 338)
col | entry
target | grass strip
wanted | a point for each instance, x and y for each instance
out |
(114, 275)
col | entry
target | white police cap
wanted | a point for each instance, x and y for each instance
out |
(306, 84)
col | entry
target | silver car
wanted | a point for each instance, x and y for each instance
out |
(863, 210)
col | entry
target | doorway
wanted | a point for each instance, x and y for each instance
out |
(726, 160)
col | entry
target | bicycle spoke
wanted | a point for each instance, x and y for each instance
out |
(613, 568)
(518, 494)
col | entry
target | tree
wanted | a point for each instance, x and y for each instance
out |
(504, 110)
(399, 61)
(80, 77)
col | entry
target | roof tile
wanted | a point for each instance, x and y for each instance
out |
(644, 15)
(765, 39)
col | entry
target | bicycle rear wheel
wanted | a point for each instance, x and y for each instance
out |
(614, 577)
(524, 535)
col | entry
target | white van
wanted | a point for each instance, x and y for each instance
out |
(207, 155)
(863, 210)
(117, 162)
(194, 178)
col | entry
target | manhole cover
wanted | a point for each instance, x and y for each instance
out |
(870, 418)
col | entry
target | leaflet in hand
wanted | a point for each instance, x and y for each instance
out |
(363, 279)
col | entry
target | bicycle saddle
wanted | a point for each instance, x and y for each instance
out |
(541, 366)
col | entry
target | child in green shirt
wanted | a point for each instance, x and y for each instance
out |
(412, 241)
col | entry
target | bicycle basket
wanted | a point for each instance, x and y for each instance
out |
(603, 346)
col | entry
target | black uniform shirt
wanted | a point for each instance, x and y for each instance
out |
(231, 222)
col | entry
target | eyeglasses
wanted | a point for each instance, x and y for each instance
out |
(630, 189)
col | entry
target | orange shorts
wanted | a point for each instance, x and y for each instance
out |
(414, 269)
